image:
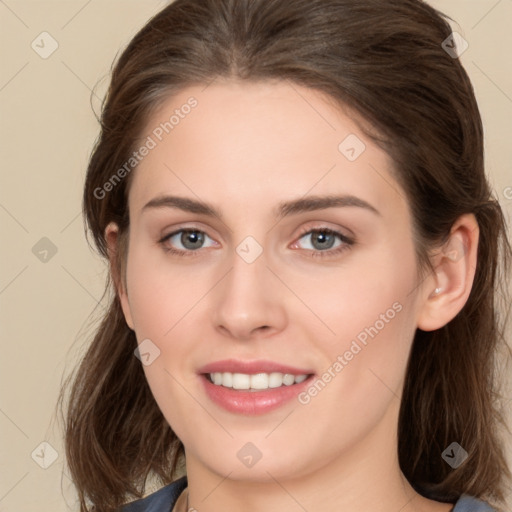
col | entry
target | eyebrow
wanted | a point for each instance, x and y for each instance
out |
(284, 209)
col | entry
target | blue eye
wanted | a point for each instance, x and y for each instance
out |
(190, 239)
(323, 240)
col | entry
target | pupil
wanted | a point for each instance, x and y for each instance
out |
(192, 239)
(324, 240)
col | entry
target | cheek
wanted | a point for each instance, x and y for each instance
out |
(365, 297)
(160, 294)
(172, 393)
(369, 312)
(164, 304)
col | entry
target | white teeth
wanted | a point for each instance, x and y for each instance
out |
(241, 381)
(227, 380)
(300, 378)
(275, 380)
(288, 379)
(256, 381)
(259, 381)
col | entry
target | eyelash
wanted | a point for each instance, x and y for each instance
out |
(329, 253)
(347, 243)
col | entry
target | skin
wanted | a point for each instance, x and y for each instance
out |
(244, 149)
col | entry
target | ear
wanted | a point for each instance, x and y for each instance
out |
(112, 239)
(445, 292)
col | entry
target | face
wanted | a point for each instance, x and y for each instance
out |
(270, 248)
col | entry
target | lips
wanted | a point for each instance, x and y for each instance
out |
(252, 367)
(234, 395)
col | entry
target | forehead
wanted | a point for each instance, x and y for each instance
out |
(258, 142)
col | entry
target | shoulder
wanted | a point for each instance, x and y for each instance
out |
(469, 504)
(165, 498)
(162, 500)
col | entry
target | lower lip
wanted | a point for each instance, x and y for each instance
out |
(252, 402)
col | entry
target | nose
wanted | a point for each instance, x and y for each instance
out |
(249, 302)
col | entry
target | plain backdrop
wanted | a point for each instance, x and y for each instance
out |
(50, 280)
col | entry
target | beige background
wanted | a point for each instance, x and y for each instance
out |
(47, 132)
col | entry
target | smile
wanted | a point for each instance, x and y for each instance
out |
(255, 382)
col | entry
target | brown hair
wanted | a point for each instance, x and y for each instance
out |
(384, 60)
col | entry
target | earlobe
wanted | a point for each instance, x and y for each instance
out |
(112, 240)
(446, 291)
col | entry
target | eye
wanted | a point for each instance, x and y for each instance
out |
(185, 241)
(324, 242)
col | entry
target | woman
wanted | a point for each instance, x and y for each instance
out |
(305, 255)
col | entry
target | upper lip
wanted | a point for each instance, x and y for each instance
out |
(251, 367)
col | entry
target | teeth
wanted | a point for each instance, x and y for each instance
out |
(227, 380)
(240, 381)
(256, 381)
(288, 379)
(275, 380)
(259, 381)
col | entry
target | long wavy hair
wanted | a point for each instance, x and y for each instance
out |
(386, 62)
